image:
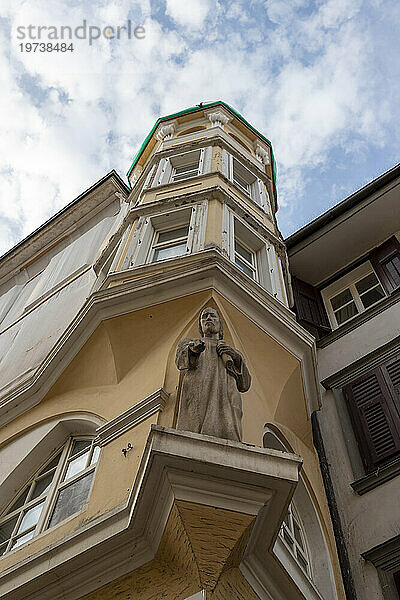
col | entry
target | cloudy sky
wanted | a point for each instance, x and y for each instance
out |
(319, 78)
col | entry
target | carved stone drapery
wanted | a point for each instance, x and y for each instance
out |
(215, 374)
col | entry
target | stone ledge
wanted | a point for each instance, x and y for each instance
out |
(372, 480)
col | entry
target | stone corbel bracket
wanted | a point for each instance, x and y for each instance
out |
(218, 118)
(133, 416)
(262, 153)
(166, 132)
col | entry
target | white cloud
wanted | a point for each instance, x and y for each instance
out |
(309, 83)
(190, 13)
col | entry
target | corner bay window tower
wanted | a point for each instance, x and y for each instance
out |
(94, 304)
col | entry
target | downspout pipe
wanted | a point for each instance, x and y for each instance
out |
(347, 576)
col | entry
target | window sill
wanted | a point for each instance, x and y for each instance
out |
(359, 320)
(381, 475)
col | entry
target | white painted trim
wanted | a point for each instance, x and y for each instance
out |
(142, 410)
(207, 270)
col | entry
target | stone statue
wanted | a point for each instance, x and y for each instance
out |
(215, 373)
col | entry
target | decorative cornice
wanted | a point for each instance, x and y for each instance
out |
(213, 138)
(133, 416)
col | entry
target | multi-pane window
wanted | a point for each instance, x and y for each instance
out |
(360, 289)
(245, 259)
(57, 491)
(185, 165)
(242, 177)
(170, 243)
(292, 534)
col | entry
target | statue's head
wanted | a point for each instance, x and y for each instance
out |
(210, 323)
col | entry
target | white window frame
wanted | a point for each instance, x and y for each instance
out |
(287, 530)
(349, 282)
(145, 234)
(165, 168)
(156, 245)
(256, 189)
(268, 265)
(49, 497)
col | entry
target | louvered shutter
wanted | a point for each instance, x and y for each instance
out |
(309, 306)
(375, 419)
(391, 370)
(386, 261)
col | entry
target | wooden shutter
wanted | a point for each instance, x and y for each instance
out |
(375, 419)
(309, 306)
(391, 370)
(386, 261)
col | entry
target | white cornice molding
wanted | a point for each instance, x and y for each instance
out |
(206, 270)
(81, 210)
(213, 136)
(176, 465)
(133, 416)
(215, 192)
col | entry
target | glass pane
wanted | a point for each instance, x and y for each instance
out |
(173, 234)
(51, 465)
(345, 313)
(244, 267)
(341, 299)
(297, 534)
(21, 540)
(76, 465)
(71, 499)
(20, 501)
(369, 298)
(80, 445)
(192, 166)
(170, 252)
(366, 283)
(42, 486)
(30, 518)
(186, 175)
(7, 528)
(3, 548)
(95, 455)
(302, 562)
(244, 253)
(287, 538)
(242, 183)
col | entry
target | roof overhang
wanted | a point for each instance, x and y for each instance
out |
(200, 108)
(345, 234)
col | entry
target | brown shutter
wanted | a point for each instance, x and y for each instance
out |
(391, 370)
(309, 306)
(386, 261)
(375, 419)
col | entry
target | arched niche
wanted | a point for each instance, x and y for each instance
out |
(320, 582)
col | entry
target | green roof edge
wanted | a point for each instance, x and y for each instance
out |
(194, 109)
